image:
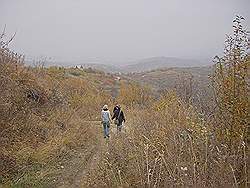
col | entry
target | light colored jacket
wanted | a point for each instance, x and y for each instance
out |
(105, 115)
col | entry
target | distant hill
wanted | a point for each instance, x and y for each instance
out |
(94, 65)
(169, 77)
(143, 65)
(101, 67)
(192, 80)
(153, 63)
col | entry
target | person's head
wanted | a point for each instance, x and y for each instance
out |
(117, 106)
(105, 107)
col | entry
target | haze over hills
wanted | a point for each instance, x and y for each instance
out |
(153, 63)
(141, 65)
(102, 67)
(98, 65)
(147, 64)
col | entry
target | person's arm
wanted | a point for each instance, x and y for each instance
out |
(123, 117)
(109, 116)
(114, 115)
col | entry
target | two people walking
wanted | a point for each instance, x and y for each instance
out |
(118, 117)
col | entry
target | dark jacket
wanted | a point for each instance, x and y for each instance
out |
(120, 117)
(115, 108)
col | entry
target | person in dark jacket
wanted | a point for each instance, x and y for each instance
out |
(119, 117)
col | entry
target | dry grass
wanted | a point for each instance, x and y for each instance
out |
(168, 145)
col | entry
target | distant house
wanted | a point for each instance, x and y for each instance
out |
(79, 67)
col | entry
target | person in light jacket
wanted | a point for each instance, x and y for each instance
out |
(106, 120)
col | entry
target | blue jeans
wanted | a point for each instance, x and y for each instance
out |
(106, 129)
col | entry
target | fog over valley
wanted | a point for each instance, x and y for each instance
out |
(119, 32)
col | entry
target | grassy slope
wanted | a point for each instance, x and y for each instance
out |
(168, 78)
(69, 150)
(50, 137)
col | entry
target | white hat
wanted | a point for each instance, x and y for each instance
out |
(105, 107)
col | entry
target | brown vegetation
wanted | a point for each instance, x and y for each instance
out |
(170, 144)
(49, 136)
(43, 118)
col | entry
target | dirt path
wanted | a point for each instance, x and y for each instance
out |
(76, 170)
(73, 170)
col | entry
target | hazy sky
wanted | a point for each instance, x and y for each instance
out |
(120, 30)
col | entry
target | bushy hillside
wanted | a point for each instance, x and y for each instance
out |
(192, 84)
(153, 63)
(44, 118)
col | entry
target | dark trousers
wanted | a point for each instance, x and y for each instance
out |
(119, 126)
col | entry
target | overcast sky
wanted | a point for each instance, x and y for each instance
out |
(120, 30)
